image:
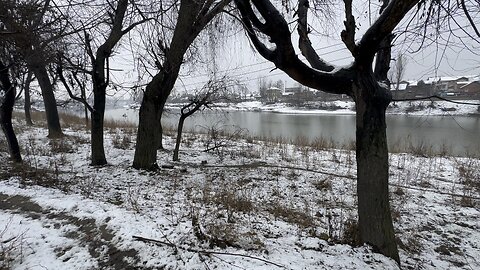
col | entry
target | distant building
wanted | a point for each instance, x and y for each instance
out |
(452, 86)
(295, 89)
(447, 85)
(472, 89)
(273, 94)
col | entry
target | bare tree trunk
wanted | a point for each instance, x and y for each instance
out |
(147, 135)
(179, 137)
(149, 129)
(85, 108)
(160, 135)
(6, 109)
(193, 16)
(374, 217)
(98, 150)
(27, 105)
(53, 121)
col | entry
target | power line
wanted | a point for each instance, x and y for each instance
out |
(266, 61)
(256, 78)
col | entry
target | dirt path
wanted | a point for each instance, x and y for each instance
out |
(97, 239)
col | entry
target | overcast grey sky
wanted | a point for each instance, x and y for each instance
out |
(239, 61)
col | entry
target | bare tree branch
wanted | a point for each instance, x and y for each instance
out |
(304, 42)
(67, 87)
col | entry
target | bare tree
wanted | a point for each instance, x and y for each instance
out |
(191, 18)
(210, 92)
(35, 30)
(7, 100)
(397, 73)
(99, 60)
(398, 70)
(368, 88)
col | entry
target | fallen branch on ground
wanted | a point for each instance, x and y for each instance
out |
(265, 165)
(205, 252)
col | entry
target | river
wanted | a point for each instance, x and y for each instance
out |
(456, 135)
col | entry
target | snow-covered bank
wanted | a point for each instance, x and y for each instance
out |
(440, 108)
(289, 205)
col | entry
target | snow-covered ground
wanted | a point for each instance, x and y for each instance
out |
(248, 205)
(348, 107)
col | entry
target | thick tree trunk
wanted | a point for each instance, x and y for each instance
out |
(375, 222)
(6, 109)
(53, 121)
(7, 127)
(27, 105)
(98, 150)
(150, 118)
(149, 130)
(179, 137)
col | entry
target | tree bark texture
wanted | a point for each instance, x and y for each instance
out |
(53, 120)
(149, 125)
(27, 104)
(179, 138)
(6, 109)
(374, 217)
(99, 91)
(83, 96)
(97, 118)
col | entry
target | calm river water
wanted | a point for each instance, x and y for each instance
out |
(459, 135)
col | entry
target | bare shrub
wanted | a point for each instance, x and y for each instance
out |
(218, 137)
(291, 215)
(469, 172)
(411, 243)
(421, 149)
(467, 201)
(323, 185)
(11, 246)
(351, 235)
(349, 145)
(61, 145)
(232, 202)
(301, 141)
(78, 140)
(121, 141)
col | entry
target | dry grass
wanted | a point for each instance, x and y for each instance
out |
(72, 121)
(37, 116)
(118, 124)
(291, 215)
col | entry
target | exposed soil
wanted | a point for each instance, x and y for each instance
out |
(97, 238)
